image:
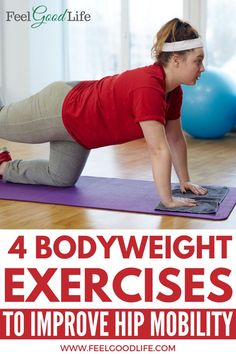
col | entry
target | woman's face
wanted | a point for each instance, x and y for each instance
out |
(191, 66)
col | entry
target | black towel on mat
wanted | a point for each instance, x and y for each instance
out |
(207, 204)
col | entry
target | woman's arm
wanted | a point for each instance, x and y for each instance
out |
(154, 133)
(178, 148)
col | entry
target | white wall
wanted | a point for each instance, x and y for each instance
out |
(15, 53)
(46, 49)
(31, 58)
(1, 10)
(195, 13)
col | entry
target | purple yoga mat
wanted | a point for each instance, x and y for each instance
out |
(107, 193)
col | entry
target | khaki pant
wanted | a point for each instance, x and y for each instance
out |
(38, 119)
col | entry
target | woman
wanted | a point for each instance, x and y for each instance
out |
(75, 118)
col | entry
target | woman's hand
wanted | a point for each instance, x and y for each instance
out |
(194, 188)
(180, 202)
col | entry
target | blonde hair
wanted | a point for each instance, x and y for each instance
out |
(173, 31)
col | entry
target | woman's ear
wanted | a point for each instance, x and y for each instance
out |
(176, 59)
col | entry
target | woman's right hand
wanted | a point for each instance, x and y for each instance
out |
(180, 202)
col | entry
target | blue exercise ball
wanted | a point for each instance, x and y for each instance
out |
(209, 107)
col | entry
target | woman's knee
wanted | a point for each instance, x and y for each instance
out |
(65, 181)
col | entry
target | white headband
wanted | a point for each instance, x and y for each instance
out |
(182, 45)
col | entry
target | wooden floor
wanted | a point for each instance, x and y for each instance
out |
(210, 162)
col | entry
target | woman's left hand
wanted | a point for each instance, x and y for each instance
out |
(194, 188)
